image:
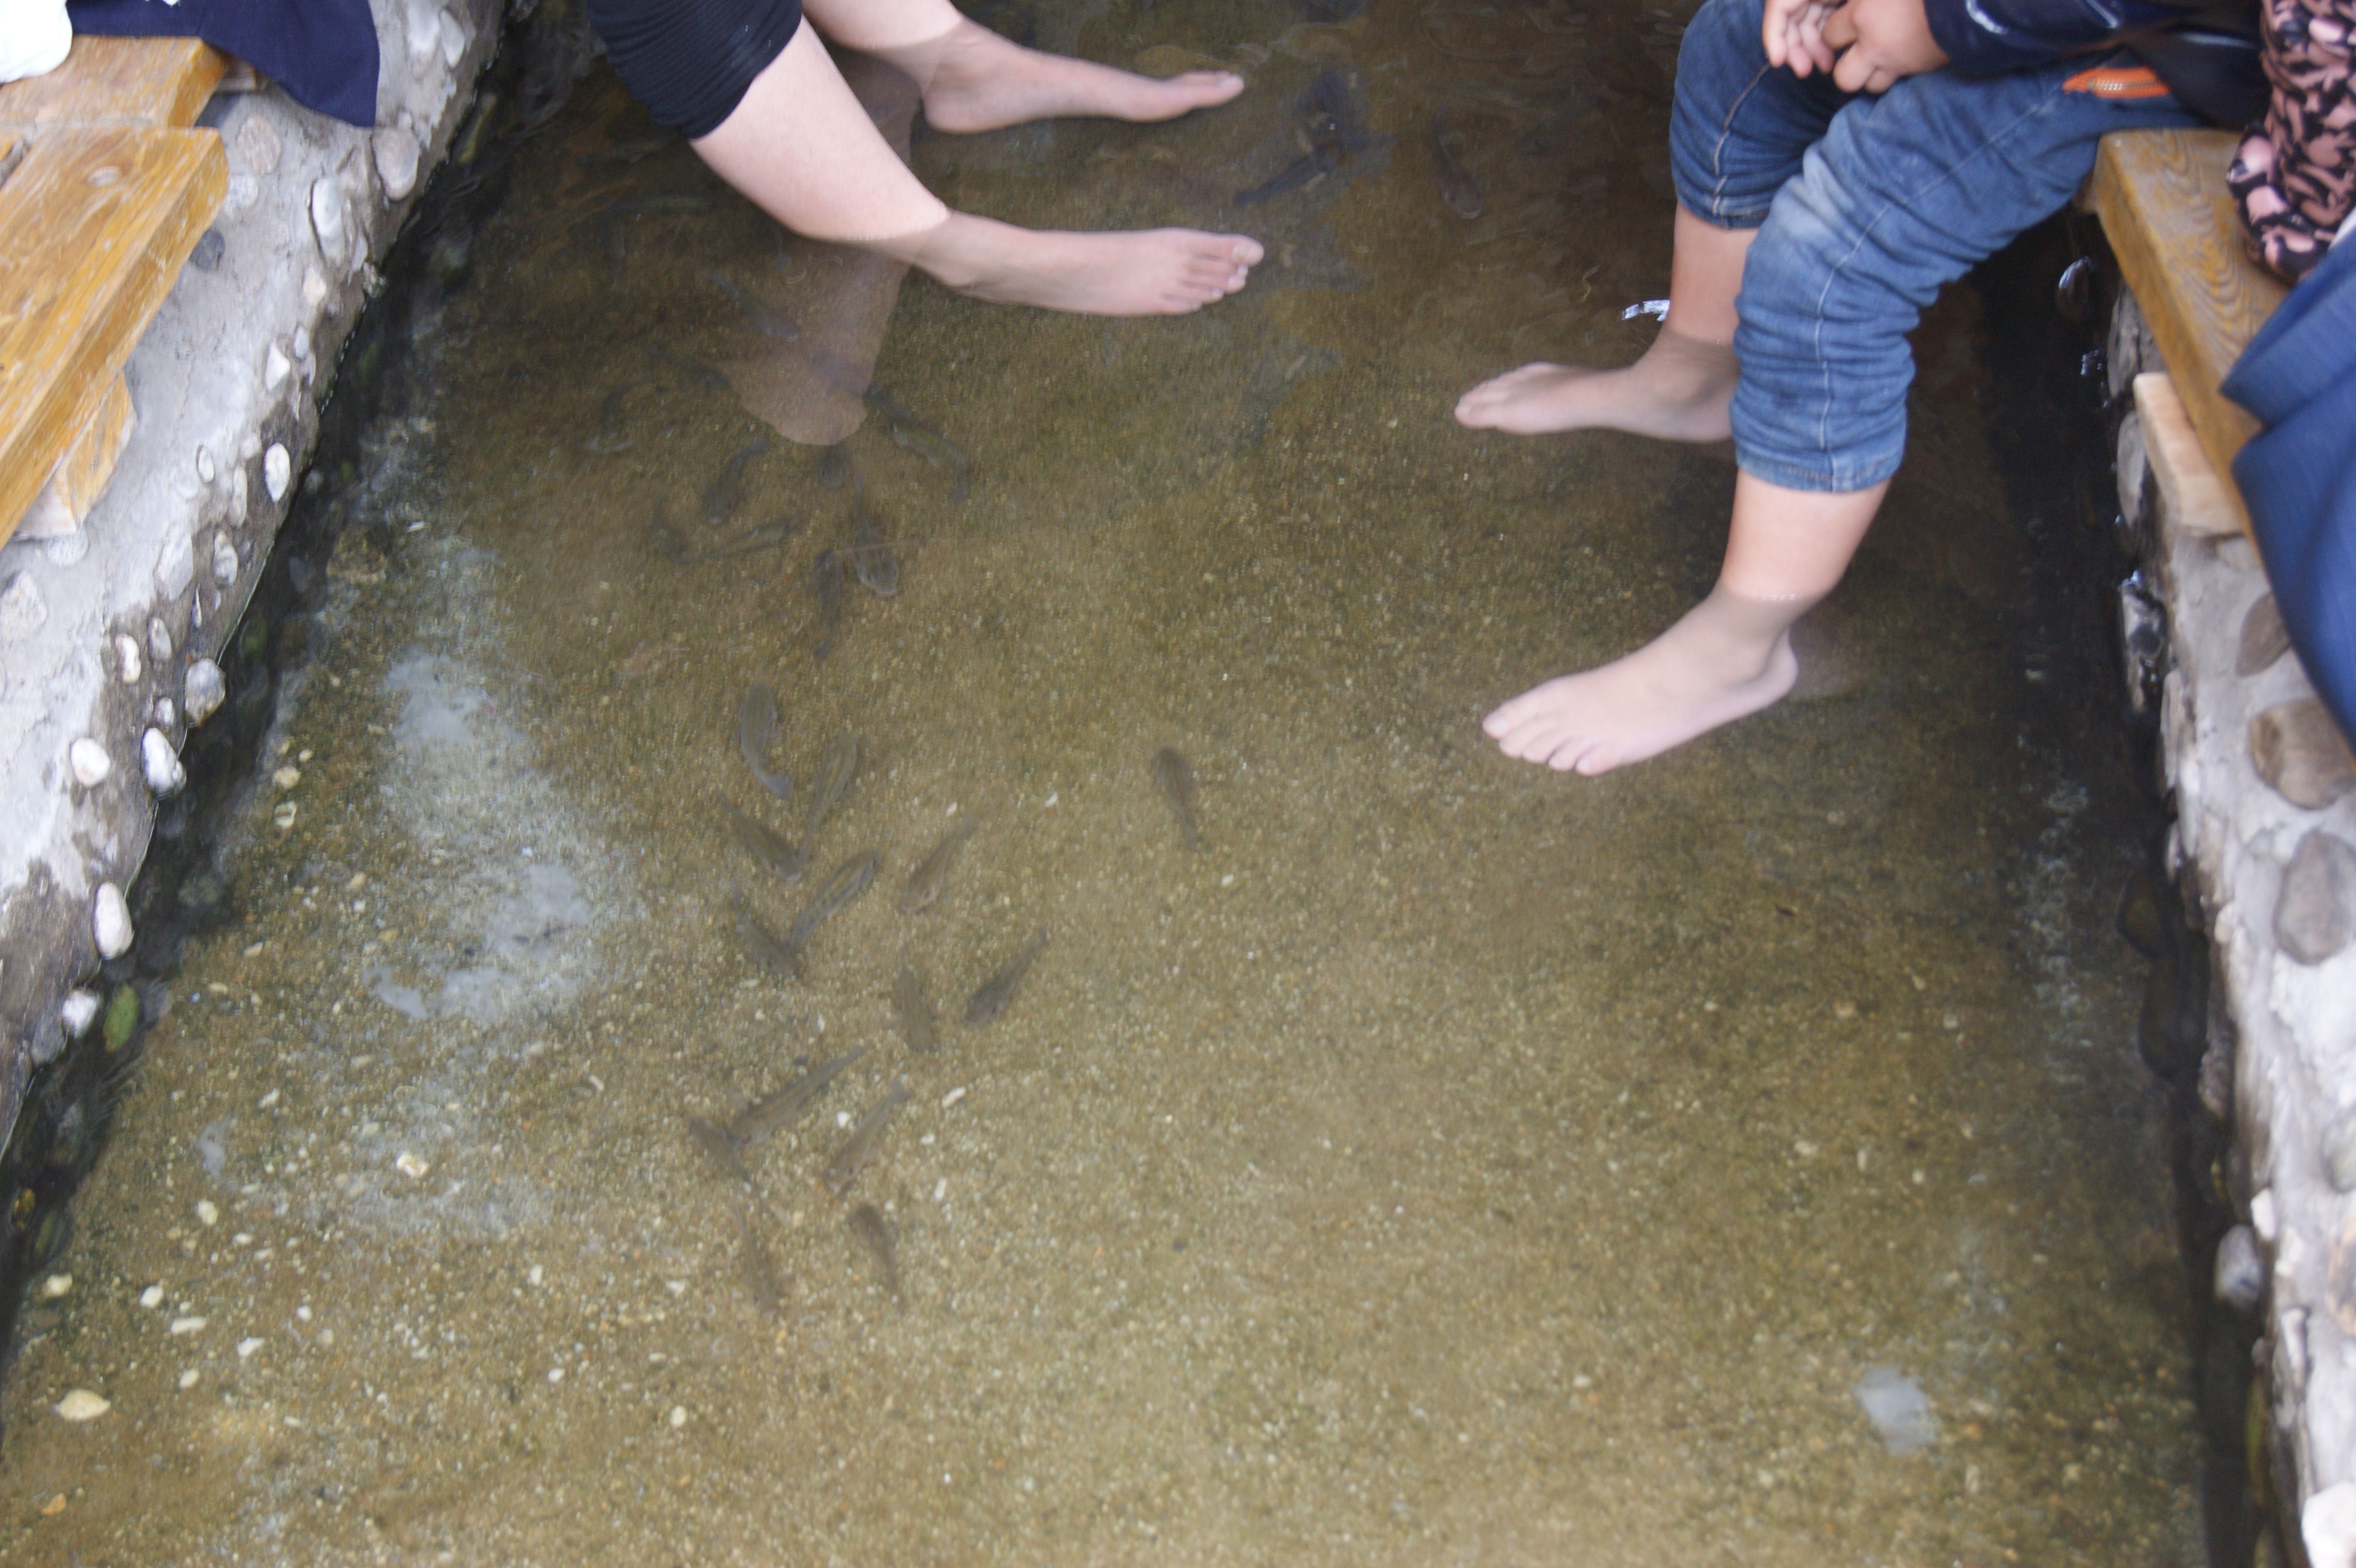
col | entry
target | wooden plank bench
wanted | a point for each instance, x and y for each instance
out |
(104, 188)
(2162, 200)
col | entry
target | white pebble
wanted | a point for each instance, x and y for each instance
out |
(109, 921)
(269, 1099)
(410, 1165)
(161, 764)
(555, 1374)
(164, 713)
(182, 1326)
(128, 663)
(277, 469)
(675, 1287)
(533, 1275)
(327, 221)
(284, 815)
(952, 1096)
(302, 342)
(204, 691)
(224, 559)
(205, 469)
(189, 1379)
(89, 762)
(303, 1314)
(941, 1190)
(55, 1287)
(206, 1213)
(152, 1297)
(22, 609)
(78, 1012)
(246, 1347)
(275, 366)
(287, 777)
(82, 1405)
(677, 1416)
(396, 161)
(159, 639)
(315, 288)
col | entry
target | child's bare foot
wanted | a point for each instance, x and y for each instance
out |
(1679, 391)
(1137, 271)
(1729, 657)
(983, 82)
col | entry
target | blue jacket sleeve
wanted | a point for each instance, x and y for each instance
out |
(1989, 38)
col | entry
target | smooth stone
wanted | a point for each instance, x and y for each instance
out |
(128, 663)
(315, 288)
(89, 762)
(2240, 1273)
(109, 921)
(224, 559)
(423, 31)
(2338, 1147)
(302, 342)
(163, 713)
(327, 221)
(2315, 914)
(78, 1012)
(65, 549)
(161, 764)
(239, 491)
(206, 253)
(159, 639)
(1899, 1409)
(203, 691)
(2299, 754)
(2264, 639)
(275, 367)
(454, 41)
(243, 191)
(396, 161)
(277, 469)
(258, 145)
(205, 468)
(82, 1405)
(2131, 462)
(23, 611)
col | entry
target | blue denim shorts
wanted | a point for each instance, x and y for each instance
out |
(1865, 207)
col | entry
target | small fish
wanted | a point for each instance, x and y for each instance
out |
(1301, 173)
(912, 1004)
(932, 873)
(714, 1140)
(761, 946)
(834, 774)
(999, 989)
(756, 732)
(762, 536)
(613, 430)
(827, 583)
(849, 881)
(768, 849)
(860, 1147)
(762, 1276)
(1176, 782)
(1458, 188)
(868, 1222)
(773, 1113)
(872, 561)
(833, 466)
(696, 370)
(913, 434)
(765, 318)
(726, 492)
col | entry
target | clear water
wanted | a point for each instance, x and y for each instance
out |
(1450, 1162)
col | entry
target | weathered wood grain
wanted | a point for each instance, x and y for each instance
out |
(94, 226)
(2162, 198)
(2199, 498)
(81, 474)
(161, 83)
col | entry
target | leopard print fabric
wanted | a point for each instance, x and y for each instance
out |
(2294, 176)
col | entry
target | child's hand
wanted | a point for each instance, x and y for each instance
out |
(1880, 43)
(1794, 35)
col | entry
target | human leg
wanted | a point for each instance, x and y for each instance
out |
(799, 145)
(1738, 131)
(973, 80)
(1906, 193)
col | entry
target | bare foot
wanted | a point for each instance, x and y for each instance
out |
(1679, 391)
(1138, 272)
(1729, 657)
(981, 82)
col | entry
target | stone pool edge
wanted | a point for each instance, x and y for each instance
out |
(112, 634)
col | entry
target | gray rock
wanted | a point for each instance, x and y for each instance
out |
(2298, 752)
(159, 639)
(203, 692)
(2240, 1271)
(1899, 1409)
(23, 611)
(2315, 914)
(396, 161)
(2264, 639)
(2131, 465)
(224, 559)
(206, 253)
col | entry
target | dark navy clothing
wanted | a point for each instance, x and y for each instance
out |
(323, 52)
(690, 62)
(2205, 50)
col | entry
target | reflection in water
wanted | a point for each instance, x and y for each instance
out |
(1433, 1160)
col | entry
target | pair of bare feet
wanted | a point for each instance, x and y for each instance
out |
(973, 80)
(1729, 656)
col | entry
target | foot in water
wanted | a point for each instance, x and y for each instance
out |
(1681, 391)
(980, 82)
(1142, 272)
(1731, 656)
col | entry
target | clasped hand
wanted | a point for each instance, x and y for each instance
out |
(1868, 45)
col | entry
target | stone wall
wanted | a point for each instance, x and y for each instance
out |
(111, 636)
(2264, 853)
